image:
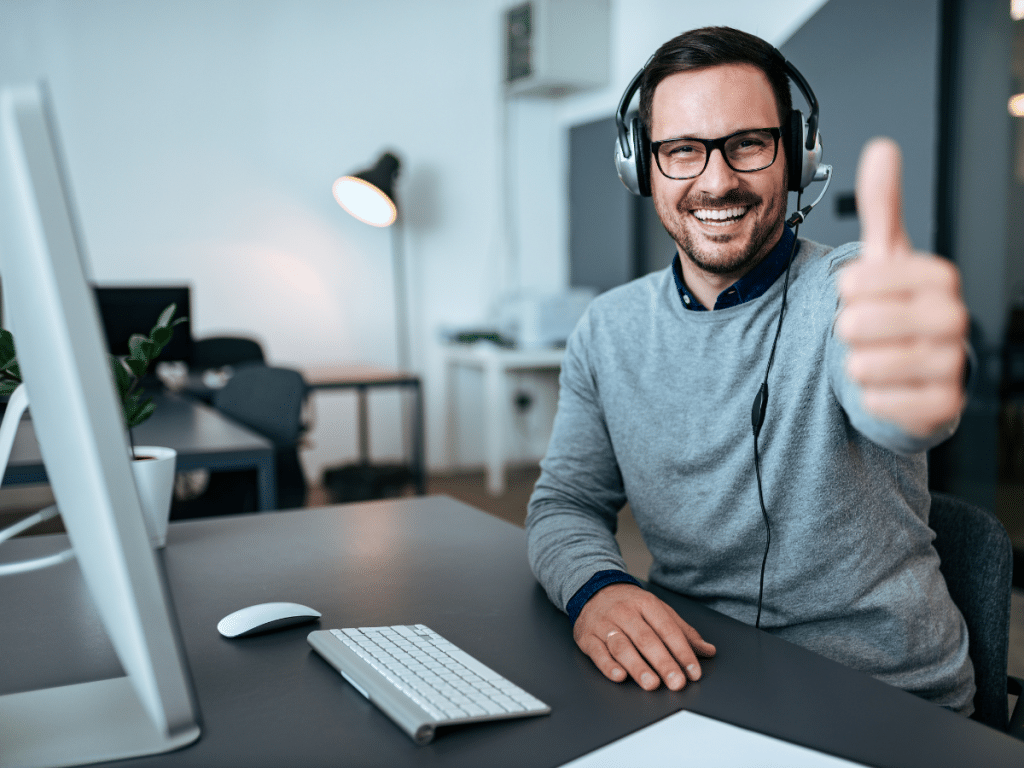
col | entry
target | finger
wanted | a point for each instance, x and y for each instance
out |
(666, 649)
(682, 642)
(701, 646)
(879, 201)
(921, 272)
(924, 318)
(623, 650)
(596, 649)
(676, 643)
(909, 365)
(919, 410)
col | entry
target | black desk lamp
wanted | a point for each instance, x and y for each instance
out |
(369, 195)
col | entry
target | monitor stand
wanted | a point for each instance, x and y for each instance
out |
(79, 724)
(74, 724)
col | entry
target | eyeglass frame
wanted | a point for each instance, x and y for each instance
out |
(710, 145)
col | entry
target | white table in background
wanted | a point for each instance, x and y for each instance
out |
(496, 363)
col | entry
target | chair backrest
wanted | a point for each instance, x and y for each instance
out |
(218, 351)
(268, 400)
(977, 562)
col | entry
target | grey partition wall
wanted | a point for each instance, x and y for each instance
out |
(875, 67)
(602, 217)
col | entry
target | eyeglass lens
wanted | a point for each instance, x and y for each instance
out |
(747, 151)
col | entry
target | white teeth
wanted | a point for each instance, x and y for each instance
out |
(719, 214)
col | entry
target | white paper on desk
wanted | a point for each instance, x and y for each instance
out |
(686, 738)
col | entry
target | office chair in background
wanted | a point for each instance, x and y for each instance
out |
(218, 351)
(977, 563)
(269, 401)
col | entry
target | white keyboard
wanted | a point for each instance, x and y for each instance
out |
(420, 680)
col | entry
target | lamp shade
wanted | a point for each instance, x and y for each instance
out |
(369, 195)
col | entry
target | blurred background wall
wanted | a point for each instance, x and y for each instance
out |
(202, 138)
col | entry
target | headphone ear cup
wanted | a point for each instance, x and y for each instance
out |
(642, 155)
(794, 138)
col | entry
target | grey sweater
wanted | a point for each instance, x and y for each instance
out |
(654, 408)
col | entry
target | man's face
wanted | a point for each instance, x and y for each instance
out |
(707, 104)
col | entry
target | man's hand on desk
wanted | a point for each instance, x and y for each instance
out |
(627, 630)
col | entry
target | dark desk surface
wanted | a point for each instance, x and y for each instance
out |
(203, 437)
(271, 701)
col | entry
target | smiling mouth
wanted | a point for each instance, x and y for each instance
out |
(720, 216)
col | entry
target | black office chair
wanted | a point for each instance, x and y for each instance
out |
(977, 563)
(218, 351)
(268, 401)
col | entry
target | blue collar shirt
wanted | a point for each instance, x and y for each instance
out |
(750, 286)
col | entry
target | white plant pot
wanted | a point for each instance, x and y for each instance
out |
(153, 467)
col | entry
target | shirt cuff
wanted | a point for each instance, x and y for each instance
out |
(598, 581)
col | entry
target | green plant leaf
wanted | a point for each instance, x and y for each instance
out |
(161, 336)
(7, 387)
(165, 316)
(137, 367)
(7, 353)
(122, 377)
(130, 403)
(141, 347)
(139, 412)
(11, 371)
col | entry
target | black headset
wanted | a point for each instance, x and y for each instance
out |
(801, 140)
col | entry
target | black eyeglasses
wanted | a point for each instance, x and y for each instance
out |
(743, 151)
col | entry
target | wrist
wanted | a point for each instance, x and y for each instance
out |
(596, 583)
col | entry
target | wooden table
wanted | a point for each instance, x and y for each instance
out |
(363, 378)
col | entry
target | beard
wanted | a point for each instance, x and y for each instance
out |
(721, 261)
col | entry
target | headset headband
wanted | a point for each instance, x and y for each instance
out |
(794, 74)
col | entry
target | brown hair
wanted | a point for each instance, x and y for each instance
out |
(710, 47)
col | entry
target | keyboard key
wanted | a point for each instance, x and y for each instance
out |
(492, 707)
(508, 704)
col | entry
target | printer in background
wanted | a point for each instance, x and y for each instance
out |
(535, 320)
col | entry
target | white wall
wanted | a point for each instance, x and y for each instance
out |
(202, 138)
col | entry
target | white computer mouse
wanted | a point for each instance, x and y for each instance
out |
(265, 617)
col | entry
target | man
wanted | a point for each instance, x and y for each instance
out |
(655, 408)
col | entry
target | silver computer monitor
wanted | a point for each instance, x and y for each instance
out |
(51, 311)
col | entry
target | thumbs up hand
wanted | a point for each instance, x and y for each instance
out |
(902, 315)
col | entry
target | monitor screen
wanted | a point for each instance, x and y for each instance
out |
(130, 309)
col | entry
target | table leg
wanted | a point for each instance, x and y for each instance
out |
(451, 423)
(494, 421)
(418, 449)
(364, 426)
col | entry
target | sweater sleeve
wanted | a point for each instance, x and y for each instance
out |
(849, 393)
(573, 512)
